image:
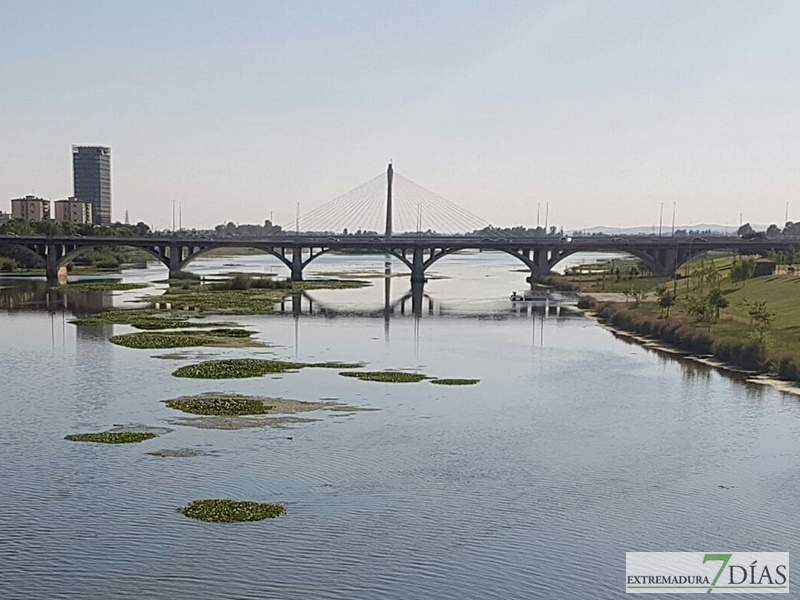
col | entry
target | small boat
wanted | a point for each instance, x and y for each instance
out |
(537, 293)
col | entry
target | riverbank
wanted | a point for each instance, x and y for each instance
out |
(708, 360)
(749, 323)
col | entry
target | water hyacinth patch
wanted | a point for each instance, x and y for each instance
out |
(234, 405)
(229, 511)
(184, 338)
(451, 381)
(223, 406)
(247, 296)
(112, 437)
(239, 368)
(385, 376)
(100, 286)
(236, 368)
(145, 319)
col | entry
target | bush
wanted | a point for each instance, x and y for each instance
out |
(240, 282)
(184, 275)
(108, 263)
(788, 367)
(586, 302)
(243, 281)
(561, 285)
(751, 356)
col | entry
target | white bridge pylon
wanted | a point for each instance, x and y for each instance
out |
(387, 204)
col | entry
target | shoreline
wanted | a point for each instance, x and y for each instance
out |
(708, 360)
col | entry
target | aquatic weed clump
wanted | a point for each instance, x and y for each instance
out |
(147, 319)
(239, 368)
(385, 376)
(221, 406)
(183, 339)
(453, 381)
(229, 511)
(236, 368)
(100, 286)
(335, 365)
(112, 437)
(230, 332)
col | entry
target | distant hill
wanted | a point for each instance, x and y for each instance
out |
(665, 230)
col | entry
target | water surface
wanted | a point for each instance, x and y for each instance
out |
(575, 448)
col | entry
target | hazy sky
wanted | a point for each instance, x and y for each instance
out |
(604, 109)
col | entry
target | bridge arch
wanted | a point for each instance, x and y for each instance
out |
(650, 261)
(315, 255)
(448, 251)
(683, 259)
(266, 250)
(26, 250)
(71, 255)
(296, 266)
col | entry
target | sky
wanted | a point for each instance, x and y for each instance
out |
(238, 110)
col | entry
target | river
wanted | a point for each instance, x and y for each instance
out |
(575, 448)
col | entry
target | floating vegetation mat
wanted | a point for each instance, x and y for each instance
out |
(231, 405)
(445, 381)
(239, 368)
(112, 437)
(370, 274)
(222, 406)
(233, 411)
(229, 511)
(256, 300)
(145, 319)
(100, 286)
(385, 376)
(225, 337)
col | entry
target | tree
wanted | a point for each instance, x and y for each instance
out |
(628, 293)
(716, 302)
(666, 299)
(761, 320)
(638, 296)
(743, 269)
(745, 229)
(773, 231)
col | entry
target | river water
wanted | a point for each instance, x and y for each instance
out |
(575, 448)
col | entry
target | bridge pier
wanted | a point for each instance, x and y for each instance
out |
(174, 260)
(664, 263)
(416, 299)
(297, 264)
(540, 266)
(51, 268)
(417, 268)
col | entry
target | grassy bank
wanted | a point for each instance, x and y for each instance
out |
(755, 327)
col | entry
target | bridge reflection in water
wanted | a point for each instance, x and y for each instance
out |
(414, 302)
(28, 295)
(23, 295)
(417, 304)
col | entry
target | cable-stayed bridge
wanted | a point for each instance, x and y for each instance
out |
(418, 227)
(388, 204)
